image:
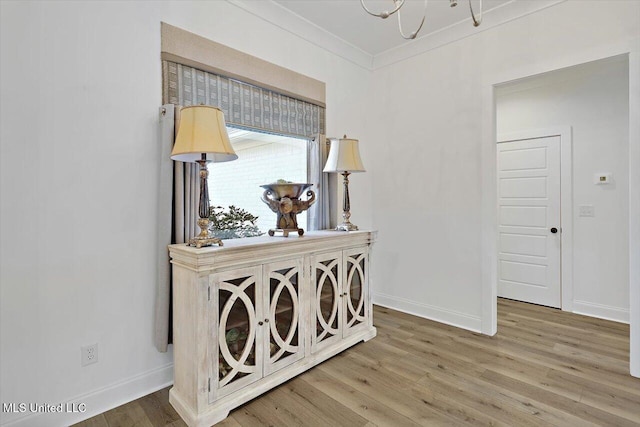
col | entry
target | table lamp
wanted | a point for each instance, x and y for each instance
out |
(344, 158)
(202, 138)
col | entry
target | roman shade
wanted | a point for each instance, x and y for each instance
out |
(244, 105)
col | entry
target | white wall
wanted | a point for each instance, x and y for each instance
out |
(594, 100)
(81, 87)
(430, 167)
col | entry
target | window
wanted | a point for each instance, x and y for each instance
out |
(262, 159)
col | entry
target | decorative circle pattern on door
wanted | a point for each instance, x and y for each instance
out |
(284, 344)
(355, 281)
(326, 320)
(237, 365)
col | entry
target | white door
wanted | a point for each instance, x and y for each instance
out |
(529, 220)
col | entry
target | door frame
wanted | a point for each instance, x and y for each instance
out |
(629, 48)
(566, 203)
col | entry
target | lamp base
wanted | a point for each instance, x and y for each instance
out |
(200, 242)
(204, 238)
(346, 226)
(285, 231)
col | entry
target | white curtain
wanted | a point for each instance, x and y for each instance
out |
(318, 214)
(186, 190)
(164, 209)
(179, 187)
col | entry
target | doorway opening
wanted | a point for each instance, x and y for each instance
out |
(586, 261)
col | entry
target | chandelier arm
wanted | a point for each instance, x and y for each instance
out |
(415, 33)
(476, 21)
(384, 14)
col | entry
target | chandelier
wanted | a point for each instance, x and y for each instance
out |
(397, 5)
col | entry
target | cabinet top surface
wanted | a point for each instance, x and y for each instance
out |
(311, 241)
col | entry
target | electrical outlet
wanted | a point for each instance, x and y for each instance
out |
(89, 354)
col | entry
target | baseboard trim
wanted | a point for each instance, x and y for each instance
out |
(431, 312)
(601, 311)
(100, 400)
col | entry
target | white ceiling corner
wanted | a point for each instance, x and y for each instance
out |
(343, 28)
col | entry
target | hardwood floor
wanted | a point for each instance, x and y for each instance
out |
(544, 367)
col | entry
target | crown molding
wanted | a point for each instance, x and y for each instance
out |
(293, 23)
(493, 18)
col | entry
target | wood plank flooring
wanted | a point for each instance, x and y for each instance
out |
(545, 367)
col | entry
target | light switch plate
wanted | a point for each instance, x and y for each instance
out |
(586, 210)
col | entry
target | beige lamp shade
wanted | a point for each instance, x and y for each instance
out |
(202, 130)
(344, 156)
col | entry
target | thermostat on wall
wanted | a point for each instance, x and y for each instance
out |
(602, 178)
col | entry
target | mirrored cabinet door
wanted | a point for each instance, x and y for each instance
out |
(238, 334)
(355, 301)
(326, 298)
(282, 320)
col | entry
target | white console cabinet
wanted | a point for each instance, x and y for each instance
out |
(256, 312)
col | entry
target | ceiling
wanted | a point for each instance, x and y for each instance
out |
(347, 20)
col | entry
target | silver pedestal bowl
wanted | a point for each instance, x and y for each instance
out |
(284, 200)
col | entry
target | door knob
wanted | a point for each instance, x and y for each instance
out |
(554, 230)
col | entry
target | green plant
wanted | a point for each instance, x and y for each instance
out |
(232, 223)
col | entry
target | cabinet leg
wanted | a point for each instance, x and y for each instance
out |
(217, 417)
